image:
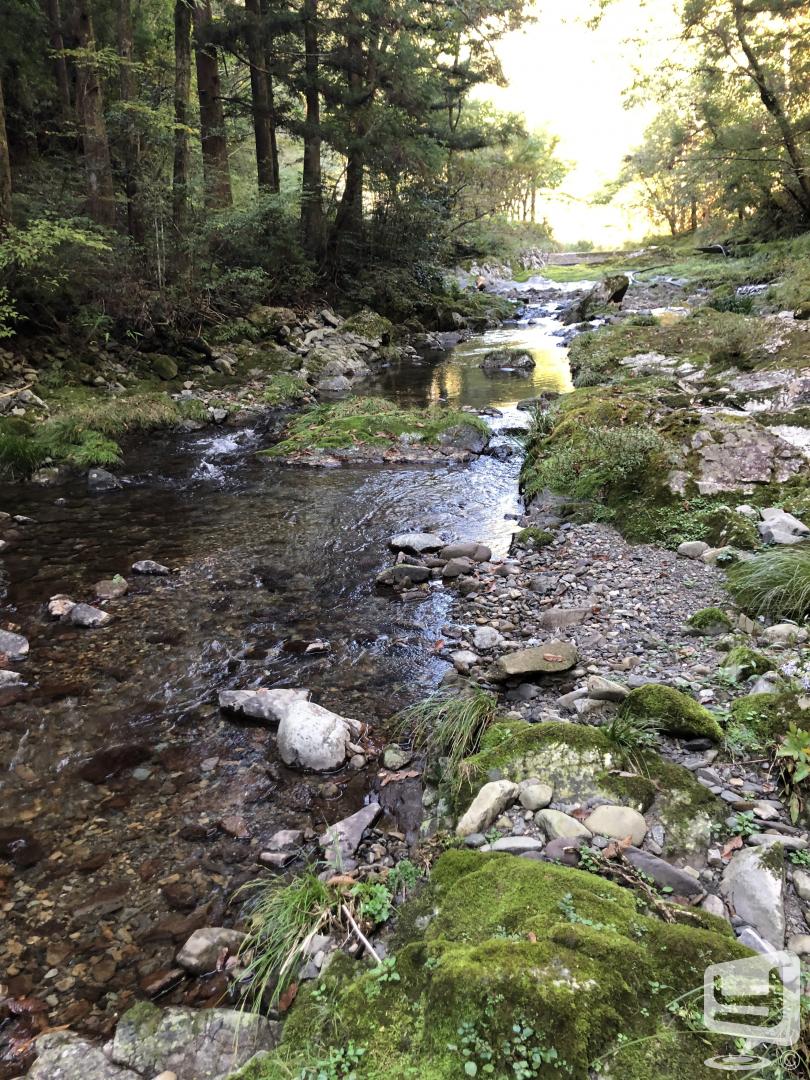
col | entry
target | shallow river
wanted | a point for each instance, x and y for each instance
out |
(115, 760)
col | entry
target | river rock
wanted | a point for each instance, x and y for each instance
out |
(486, 637)
(204, 949)
(600, 689)
(311, 737)
(87, 616)
(537, 660)
(101, 480)
(779, 527)
(491, 800)
(617, 822)
(203, 1043)
(454, 568)
(149, 566)
(557, 825)
(416, 543)
(403, 574)
(465, 437)
(334, 384)
(10, 678)
(753, 886)
(664, 874)
(516, 845)
(60, 605)
(341, 840)
(476, 552)
(779, 634)
(63, 1055)
(111, 588)
(13, 646)
(269, 705)
(463, 660)
(534, 794)
(693, 549)
(801, 883)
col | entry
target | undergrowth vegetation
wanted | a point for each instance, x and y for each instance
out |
(775, 582)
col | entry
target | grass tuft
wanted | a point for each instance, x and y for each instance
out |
(282, 920)
(774, 583)
(447, 725)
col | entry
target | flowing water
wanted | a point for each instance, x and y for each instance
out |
(116, 766)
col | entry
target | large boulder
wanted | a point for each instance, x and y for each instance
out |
(63, 1055)
(543, 659)
(609, 291)
(269, 705)
(518, 360)
(311, 737)
(206, 1044)
(779, 527)
(753, 886)
(675, 713)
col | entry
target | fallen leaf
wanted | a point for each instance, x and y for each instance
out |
(409, 775)
(733, 844)
(551, 657)
(532, 937)
(288, 997)
(337, 880)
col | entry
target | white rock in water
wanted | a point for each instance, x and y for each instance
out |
(311, 737)
(416, 542)
(60, 605)
(261, 704)
(13, 646)
(87, 616)
(149, 566)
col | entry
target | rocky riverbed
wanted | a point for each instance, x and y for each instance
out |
(368, 586)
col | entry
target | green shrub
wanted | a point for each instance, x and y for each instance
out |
(774, 583)
(599, 461)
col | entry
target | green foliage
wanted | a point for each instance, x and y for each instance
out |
(341, 1064)
(775, 582)
(373, 900)
(745, 824)
(402, 878)
(598, 463)
(795, 749)
(448, 725)
(631, 731)
(384, 972)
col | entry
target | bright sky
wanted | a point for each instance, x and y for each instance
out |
(570, 79)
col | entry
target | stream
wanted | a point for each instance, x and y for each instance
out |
(118, 768)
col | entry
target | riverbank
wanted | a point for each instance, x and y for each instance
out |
(464, 957)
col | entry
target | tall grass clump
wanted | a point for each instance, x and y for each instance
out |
(774, 583)
(283, 918)
(447, 725)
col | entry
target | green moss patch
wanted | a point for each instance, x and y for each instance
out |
(676, 713)
(371, 422)
(711, 619)
(522, 962)
(766, 716)
(283, 389)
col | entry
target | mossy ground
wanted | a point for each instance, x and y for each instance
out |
(542, 964)
(368, 422)
(676, 713)
(709, 618)
(82, 428)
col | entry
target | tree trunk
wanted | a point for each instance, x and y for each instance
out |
(349, 217)
(774, 106)
(5, 169)
(132, 142)
(311, 182)
(53, 16)
(268, 67)
(182, 92)
(260, 99)
(216, 169)
(93, 129)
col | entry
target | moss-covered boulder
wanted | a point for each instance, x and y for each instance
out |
(709, 622)
(580, 762)
(508, 965)
(165, 367)
(766, 717)
(741, 663)
(674, 712)
(368, 324)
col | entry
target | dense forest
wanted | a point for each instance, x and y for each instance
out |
(225, 155)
